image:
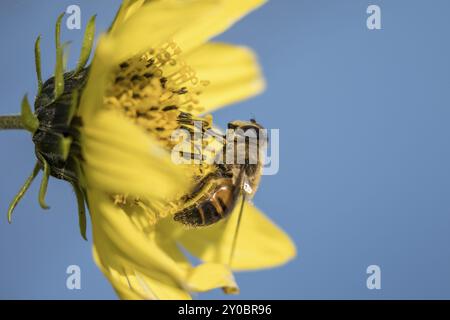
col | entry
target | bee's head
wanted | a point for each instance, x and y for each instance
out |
(246, 126)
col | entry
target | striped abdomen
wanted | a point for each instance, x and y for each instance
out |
(217, 203)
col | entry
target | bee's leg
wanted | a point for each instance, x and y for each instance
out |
(199, 186)
(22, 191)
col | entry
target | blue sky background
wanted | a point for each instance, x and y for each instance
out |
(364, 176)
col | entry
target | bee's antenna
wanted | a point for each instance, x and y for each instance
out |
(233, 246)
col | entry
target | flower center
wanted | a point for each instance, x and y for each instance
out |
(157, 91)
(160, 93)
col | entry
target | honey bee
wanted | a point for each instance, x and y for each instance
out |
(215, 196)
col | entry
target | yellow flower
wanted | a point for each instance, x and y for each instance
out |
(153, 66)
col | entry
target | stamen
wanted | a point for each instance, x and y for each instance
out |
(155, 81)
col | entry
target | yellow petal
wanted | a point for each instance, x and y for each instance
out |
(120, 158)
(188, 23)
(206, 276)
(228, 13)
(149, 27)
(233, 72)
(118, 280)
(92, 97)
(132, 281)
(131, 260)
(115, 233)
(260, 243)
(199, 279)
(145, 264)
(209, 276)
(162, 290)
(154, 24)
(127, 9)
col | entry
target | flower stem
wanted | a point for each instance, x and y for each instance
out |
(11, 123)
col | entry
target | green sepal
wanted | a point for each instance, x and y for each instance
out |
(37, 61)
(59, 67)
(58, 30)
(59, 73)
(65, 52)
(29, 120)
(79, 174)
(86, 46)
(73, 106)
(44, 183)
(65, 144)
(22, 191)
(81, 210)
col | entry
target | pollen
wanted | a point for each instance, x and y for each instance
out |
(155, 89)
(145, 213)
